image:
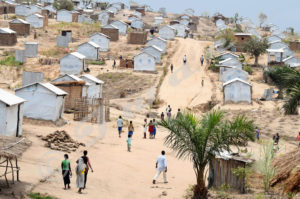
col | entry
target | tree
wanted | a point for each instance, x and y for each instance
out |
(63, 4)
(228, 36)
(200, 139)
(256, 47)
(262, 17)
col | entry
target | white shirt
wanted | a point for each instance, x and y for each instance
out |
(161, 163)
(120, 122)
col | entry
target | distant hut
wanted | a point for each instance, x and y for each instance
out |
(112, 9)
(167, 32)
(121, 26)
(8, 37)
(7, 8)
(37, 20)
(44, 101)
(137, 38)
(137, 24)
(25, 10)
(74, 86)
(292, 61)
(72, 64)
(111, 31)
(95, 88)
(102, 40)
(90, 50)
(227, 55)
(159, 42)
(221, 171)
(237, 91)
(241, 40)
(103, 18)
(64, 16)
(144, 62)
(181, 30)
(20, 26)
(11, 114)
(232, 74)
(154, 51)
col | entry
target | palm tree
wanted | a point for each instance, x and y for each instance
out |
(287, 80)
(199, 139)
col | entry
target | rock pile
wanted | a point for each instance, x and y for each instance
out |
(61, 141)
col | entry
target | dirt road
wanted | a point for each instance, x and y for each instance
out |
(182, 88)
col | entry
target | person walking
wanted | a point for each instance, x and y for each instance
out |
(179, 114)
(86, 161)
(150, 129)
(257, 133)
(114, 64)
(130, 129)
(120, 125)
(162, 116)
(145, 128)
(154, 128)
(66, 171)
(202, 82)
(202, 60)
(80, 171)
(168, 109)
(172, 67)
(184, 59)
(129, 139)
(298, 138)
(161, 166)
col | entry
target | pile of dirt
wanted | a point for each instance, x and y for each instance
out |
(61, 141)
(287, 172)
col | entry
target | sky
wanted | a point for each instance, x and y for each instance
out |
(283, 13)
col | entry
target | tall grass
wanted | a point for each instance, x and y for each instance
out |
(264, 165)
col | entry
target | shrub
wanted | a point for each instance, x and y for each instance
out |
(63, 4)
(248, 69)
(97, 62)
(10, 61)
(39, 196)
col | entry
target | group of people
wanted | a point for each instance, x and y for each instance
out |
(82, 168)
(184, 62)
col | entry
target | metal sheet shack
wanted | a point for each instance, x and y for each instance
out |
(221, 171)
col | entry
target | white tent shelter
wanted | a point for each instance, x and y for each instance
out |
(96, 86)
(11, 114)
(236, 91)
(144, 62)
(44, 101)
(72, 64)
(102, 40)
(159, 42)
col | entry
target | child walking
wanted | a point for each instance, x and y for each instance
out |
(145, 128)
(129, 139)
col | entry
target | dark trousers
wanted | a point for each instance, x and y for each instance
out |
(85, 177)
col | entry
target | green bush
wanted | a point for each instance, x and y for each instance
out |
(39, 196)
(98, 62)
(10, 61)
(248, 69)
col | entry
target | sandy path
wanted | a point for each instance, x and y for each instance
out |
(182, 88)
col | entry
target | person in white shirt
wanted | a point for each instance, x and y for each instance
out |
(161, 166)
(120, 125)
(184, 59)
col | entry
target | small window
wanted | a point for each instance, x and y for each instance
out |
(243, 38)
(140, 60)
(149, 61)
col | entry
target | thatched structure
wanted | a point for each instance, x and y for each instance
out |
(287, 172)
(11, 148)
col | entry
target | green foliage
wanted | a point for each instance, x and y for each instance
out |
(214, 65)
(262, 18)
(264, 165)
(10, 61)
(287, 80)
(242, 172)
(223, 191)
(39, 196)
(248, 69)
(228, 36)
(199, 139)
(96, 62)
(242, 58)
(63, 4)
(256, 47)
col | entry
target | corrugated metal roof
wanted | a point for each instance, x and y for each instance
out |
(7, 30)
(48, 86)
(78, 55)
(18, 21)
(10, 99)
(99, 33)
(53, 88)
(91, 43)
(109, 26)
(31, 43)
(92, 78)
(155, 47)
(146, 54)
(234, 80)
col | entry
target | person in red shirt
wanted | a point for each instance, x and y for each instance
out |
(298, 138)
(150, 129)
